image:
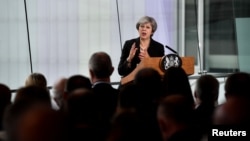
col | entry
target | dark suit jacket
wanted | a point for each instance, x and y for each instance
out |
(155, 49)
(106, 99)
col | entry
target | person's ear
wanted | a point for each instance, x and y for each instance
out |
(91, 73)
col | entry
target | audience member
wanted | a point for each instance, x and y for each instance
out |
(234, 112)
(175, 81)
(143, 93)
(128, 97)
(101, 69)
(235, 109)
(26, 98)
(237, 84)
(83, 116)
(5, 100)
(32, 94)
(126, 126)
(82, 107)
(74, 82)
(36, 122)
(37, 79)
(77, 81)
(206, 95)
(175, 119)
(148, 84)
(150, 107)
(58, 91)
(206, 90)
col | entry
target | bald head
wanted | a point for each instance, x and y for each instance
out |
(58, 90)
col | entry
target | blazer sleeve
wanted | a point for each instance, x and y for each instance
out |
(123, 67)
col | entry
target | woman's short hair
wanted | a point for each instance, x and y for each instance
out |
(147, 19)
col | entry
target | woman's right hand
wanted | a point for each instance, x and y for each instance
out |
(132, 53)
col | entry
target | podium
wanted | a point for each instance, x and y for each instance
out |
(154, 62)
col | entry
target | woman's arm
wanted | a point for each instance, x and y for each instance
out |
(126, 64)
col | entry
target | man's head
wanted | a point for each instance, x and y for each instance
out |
(237, 84)
(100, 66)
(207, 89)
(58, 90)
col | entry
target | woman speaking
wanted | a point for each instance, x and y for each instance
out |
(135, 50)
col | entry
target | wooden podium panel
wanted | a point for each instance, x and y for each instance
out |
(154, 62)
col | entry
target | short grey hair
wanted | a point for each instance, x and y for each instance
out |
(101, 65)
(147, 19)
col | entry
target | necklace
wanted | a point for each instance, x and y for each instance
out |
(143, 48)
(144, 45)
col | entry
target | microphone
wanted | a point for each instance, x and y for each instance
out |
(169, 48)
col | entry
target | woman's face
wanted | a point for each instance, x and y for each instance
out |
(145, 31)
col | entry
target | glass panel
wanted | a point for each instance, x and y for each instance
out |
(14, 54)
(191, 30)
(65, 33)
(242, 22)
(226, 35)
(220, 40)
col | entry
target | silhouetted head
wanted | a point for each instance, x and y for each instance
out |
(238, 84)
(207, 89)
(32, 94)
(5, 95)
(175, 81)
(77, 81)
